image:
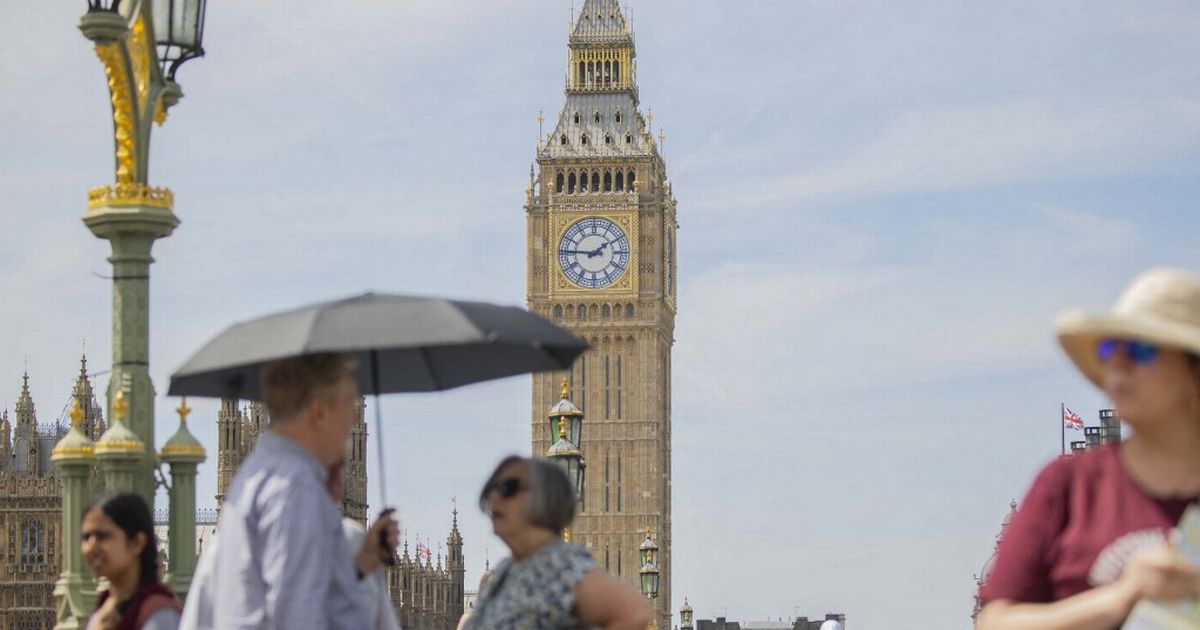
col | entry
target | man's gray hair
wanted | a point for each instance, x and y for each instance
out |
(551, 501)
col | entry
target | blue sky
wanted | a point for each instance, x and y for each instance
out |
(882, 207)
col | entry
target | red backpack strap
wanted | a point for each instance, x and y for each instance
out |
(154, 603)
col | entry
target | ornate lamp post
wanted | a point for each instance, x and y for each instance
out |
(566, 420)
(75, 592)
(685, 616)
(183, 453)
(648, 551)
(141, 43)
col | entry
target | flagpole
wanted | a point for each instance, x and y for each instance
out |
(1062, 427)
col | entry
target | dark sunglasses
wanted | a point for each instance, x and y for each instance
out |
(1140, 352)
(506, 488)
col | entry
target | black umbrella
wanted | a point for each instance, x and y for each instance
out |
(403, 344)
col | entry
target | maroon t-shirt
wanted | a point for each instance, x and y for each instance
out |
(1082, 520)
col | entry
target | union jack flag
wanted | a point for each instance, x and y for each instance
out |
(423, 553)
(1071, 420)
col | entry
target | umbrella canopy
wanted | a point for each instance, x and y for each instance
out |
(403, 343)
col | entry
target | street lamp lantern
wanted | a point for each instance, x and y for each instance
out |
(567, 455)
(178, 31)
(685, 616)
(565, 410)
(648, 550)
(649, 576)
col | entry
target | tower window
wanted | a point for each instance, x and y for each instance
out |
(582, 312)
(607, 188)
(558, 312)
(583, 139)
(595, 182)
(628, 138)
(597, 116)
(571, 184)
(576, 118)
(618, 114)
(608, 138)
(620, 180)
(629, 311)
(558, 183)
(33, 543)
(563, 140)
(618, 387)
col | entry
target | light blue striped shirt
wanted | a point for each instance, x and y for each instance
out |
(280, 562)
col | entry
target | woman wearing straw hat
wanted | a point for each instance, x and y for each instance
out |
(1091, 537)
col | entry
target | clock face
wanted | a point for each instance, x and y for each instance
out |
(593, 252)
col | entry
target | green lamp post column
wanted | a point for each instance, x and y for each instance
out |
(141, 44)
(75, 591)
(182, 453)
(120, 451)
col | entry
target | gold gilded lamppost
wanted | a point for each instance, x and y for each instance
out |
(685, 616)
(75, 591)
(566, 424)
(141, 43)
(648, 554)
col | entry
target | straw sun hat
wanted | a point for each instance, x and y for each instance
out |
(1161, 306)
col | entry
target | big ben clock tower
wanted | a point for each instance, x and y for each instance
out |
(601, 262)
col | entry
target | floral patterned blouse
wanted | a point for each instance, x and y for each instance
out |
(537, 594)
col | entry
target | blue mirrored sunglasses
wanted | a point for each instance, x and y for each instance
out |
(1139, 352)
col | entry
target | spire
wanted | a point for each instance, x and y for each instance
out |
(600, 20)
(5, 433)
(26, 414)
(84, 394)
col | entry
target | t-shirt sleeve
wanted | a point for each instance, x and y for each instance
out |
(1022, 569)
(162, 619)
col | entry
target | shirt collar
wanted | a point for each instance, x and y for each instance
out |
(274, 443)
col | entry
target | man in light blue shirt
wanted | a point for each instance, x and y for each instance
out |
(280, 563)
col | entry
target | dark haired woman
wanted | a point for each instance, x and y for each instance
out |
(547, 584)
(119, 545)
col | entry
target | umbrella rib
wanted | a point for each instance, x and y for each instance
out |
(433, 376)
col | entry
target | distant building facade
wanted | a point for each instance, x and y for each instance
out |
(31, 507)
(832, 621)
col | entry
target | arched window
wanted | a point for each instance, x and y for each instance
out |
(595, 181)
(591, 74)
(558, 183)
(607, 73)
(581, 77)
(558, 313)
(576, 119)
(607, 187)
(620, 180)
(630, 178)
(33, 543)
(582, 312)
(583, 139)
(571, 184)
(617, 115)
(605, 312)
(592, 312)
(608, 138)
(628, 138)
(629, 311)
(563, 140)
(596, 116)
(617, 76)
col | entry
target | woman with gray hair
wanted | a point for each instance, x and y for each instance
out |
(547, 583)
